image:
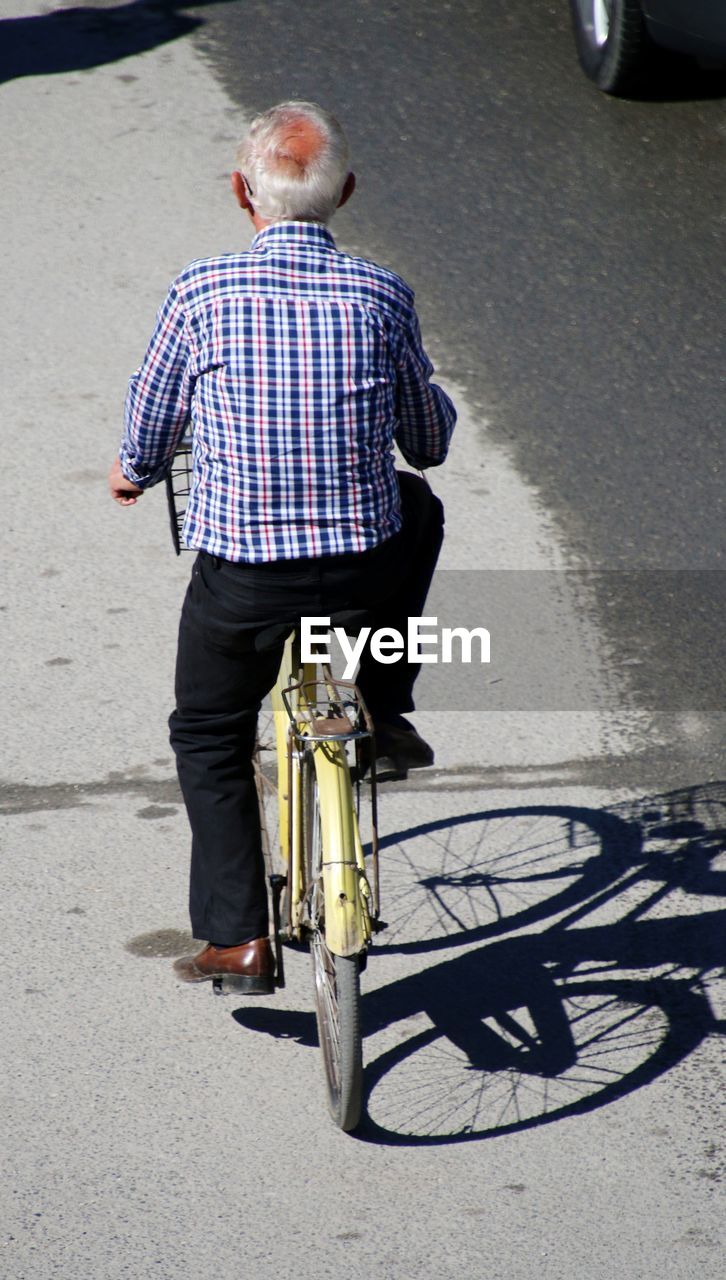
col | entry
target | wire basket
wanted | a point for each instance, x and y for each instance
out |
(178, 485)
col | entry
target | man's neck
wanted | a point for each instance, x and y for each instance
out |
(261, 224)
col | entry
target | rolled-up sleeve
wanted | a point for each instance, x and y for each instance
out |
(426, 416)
(158, 402)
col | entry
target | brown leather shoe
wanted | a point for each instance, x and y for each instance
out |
(249, 967)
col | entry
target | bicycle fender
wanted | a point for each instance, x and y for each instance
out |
(345, 888)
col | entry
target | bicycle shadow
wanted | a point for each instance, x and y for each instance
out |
(560, 1020)
(525, 1032)
(80, 38)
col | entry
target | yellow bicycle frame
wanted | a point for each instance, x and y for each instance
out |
(346, 890)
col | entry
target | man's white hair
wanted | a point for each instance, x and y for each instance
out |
(295, 160)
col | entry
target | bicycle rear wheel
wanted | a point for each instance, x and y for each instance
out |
(336, 979)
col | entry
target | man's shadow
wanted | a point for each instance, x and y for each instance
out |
(79, 38)
(558, 1021)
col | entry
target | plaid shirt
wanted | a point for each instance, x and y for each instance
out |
(298, 367)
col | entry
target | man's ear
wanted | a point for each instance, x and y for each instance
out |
(240, 191)
(348, 189)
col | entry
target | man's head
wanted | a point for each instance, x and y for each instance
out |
(293, 165)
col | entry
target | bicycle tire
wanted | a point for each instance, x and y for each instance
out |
(336, 979)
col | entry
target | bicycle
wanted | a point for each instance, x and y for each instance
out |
(309, 816)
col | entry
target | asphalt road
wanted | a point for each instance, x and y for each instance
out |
(568, 253)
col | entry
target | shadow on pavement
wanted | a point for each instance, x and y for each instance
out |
(79, 38)
(528, 1029)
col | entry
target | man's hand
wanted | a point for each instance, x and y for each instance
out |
(122, 490)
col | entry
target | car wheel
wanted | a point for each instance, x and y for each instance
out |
(612, 41)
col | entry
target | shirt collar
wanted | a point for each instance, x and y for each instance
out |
(307, 233)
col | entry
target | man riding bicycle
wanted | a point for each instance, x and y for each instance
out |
(298, 367)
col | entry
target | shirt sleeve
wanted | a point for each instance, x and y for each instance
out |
(426, 416)
(158, 402)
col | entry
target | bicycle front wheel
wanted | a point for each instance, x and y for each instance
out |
(337, 1011)
(336, 979)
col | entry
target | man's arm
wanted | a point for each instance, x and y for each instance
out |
(426, 415)
(158, 404)
(123, 491)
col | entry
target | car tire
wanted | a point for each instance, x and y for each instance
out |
(612, 41)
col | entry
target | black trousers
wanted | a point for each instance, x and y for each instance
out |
(225, 666)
